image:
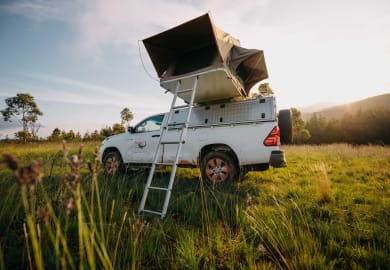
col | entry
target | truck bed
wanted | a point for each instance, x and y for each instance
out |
(253, 110)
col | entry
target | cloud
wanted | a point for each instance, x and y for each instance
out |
(311, 47)
(121, 23)
(45, 10)
(89, 88)
(62, 89)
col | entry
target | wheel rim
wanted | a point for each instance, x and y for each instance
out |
(217, 170)
(111, 165)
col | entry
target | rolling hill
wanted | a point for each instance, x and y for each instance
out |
(337, 112)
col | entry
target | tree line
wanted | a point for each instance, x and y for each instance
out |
(58, 135)
(362, 127)
(23, 109)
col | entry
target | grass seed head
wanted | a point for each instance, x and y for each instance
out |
(68, 205)
(263, 251)
(249, 200)
(44, 215)
(75, 159)
(11, 161)
(29, 174)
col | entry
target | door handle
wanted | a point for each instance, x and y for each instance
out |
(155, 136)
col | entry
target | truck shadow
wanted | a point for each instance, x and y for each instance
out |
(193, 201)
(196, 202)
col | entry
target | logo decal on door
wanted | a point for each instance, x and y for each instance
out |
(141, 144)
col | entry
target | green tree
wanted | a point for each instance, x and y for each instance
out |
(55, 135)
(333, 132)
(106, 132)
(126, 116)
(23, 136)
(70, 136)
(25, 110)
(317, 125)
(78, 137)
(118, 128)
(300, 133)
(87, 136)
(263, 90)
(96, 136)
(115, 129)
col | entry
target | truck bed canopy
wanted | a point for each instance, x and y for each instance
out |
(199, 47)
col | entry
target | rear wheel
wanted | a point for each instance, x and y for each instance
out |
(218, 167)
(285, 125)
(112, 163)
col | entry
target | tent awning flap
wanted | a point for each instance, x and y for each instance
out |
(197, 46)
(249, 65)
(167, 48)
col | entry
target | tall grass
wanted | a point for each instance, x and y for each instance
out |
(329, 209)
(287, 238)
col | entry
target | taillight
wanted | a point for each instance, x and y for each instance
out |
(273, 138)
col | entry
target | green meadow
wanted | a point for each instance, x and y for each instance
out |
(329, 209)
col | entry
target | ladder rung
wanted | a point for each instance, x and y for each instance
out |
(176, 124)
(152, 212)
(172, 142)
(184, 91)
(158, 188)
(180, 107)
(165, 164)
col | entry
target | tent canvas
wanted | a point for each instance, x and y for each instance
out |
(198, 47)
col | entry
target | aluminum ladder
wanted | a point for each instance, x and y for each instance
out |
(164, 131)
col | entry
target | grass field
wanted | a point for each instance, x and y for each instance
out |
(329, 209)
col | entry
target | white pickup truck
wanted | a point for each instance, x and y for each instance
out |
(223, 140)
(226, 132)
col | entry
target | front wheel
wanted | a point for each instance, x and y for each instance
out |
(218, 167)
(112, 163)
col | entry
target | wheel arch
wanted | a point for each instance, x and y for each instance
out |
(111, 149)
(218, 147)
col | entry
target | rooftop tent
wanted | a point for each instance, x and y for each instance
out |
(249, 65)
(197, 47)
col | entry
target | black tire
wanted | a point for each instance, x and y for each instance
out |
(285, 125)
(112, 163)
(219, 167)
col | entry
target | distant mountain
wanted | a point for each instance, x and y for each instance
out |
(317, 107)
(337, 112)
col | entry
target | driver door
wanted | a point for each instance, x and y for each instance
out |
(144, 140)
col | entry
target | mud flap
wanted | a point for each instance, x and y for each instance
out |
(278, 159)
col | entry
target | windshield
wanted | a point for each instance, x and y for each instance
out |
(150, 124)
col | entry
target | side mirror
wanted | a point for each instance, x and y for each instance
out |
(130, 129)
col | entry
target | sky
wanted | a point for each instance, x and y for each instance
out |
(84, 61)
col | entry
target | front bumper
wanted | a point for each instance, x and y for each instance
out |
(277, 159)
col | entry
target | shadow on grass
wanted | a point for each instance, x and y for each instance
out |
(192, 201)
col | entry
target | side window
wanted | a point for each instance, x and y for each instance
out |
(150, 124)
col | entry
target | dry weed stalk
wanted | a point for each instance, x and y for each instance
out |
(27, 176)
(25, 233)
(325, 194)
(249, 200)
(44, 214)
(94, 169)
(72, 179)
